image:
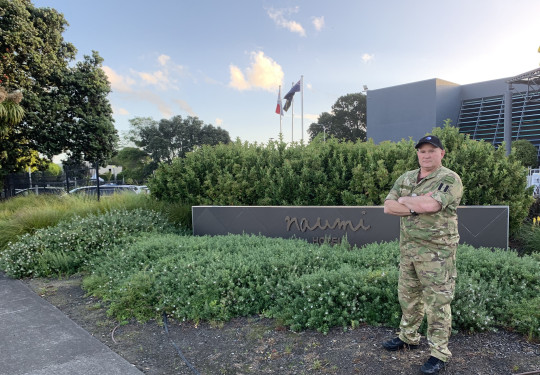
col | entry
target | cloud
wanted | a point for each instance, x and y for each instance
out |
(163, 107)
(185, 106)
(157, 78)
(238, 81)
(208, 79)
(366, 57)
(263, 73)
(120, 111)
(311, 117)
(143, 86)
(163, 59)
(118, 82)
(318, 23)
(278, 16)
(164, 78)
(150, 97)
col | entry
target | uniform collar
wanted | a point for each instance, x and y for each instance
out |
(431, 175)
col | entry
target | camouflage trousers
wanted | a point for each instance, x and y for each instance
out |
(427, 287)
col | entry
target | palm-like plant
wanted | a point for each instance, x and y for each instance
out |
(11, 112)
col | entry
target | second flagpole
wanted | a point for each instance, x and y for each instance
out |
(302, 91)
(280, 115)
(292, 117)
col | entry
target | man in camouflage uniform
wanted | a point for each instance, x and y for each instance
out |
(426, 199)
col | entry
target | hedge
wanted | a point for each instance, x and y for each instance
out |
(336, 173)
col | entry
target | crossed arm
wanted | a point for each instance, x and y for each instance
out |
(423, 204)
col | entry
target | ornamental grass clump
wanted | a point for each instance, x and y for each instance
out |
(73, 244)
(22, 215)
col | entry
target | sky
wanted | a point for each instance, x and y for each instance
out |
(223, 61)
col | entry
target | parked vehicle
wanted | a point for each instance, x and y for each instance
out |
(142, 189)
(38, 190)
(107, 189)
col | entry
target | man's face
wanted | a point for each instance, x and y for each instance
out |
(429, 156)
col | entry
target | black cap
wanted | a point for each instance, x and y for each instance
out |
(431, 139)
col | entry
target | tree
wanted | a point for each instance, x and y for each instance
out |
(347, 121)
(169, 139)
(66, 109)
(75, 115)
(53, 169)
(525, 152)
(137, 166)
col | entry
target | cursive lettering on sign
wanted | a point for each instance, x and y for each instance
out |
(304, 225)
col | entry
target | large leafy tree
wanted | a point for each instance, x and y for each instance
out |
(74, 116)
(66, 109)
(173, 138)
(346, 121)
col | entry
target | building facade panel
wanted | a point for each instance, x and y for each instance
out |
(402, 111)
(414, 109)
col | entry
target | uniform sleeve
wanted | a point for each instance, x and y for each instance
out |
(394, 192)
(449, 191)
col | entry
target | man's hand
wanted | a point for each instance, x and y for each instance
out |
(393, 207)
(422, 204)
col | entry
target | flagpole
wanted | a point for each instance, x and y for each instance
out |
(289, 97)
(280, 114)
(292, 118)
(302, 89)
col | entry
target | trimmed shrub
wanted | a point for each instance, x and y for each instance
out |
(334, 173)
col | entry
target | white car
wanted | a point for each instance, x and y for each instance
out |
(107, 189)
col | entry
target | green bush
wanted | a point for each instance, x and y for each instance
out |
(22, 215)
(303, 285)
(529, 236)
(525, 152)
(333, 173)
(492, 286)
(489, 176)
(217, 278)
(73, 244)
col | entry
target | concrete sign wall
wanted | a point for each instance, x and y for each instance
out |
(478, 225)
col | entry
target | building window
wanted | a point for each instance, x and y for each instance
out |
(483, 118)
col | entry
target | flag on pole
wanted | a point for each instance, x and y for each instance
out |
(289, 96)
(279, 107)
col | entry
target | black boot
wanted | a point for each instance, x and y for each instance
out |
(432, 366)
(397, 344)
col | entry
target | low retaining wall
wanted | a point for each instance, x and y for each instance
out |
(479, 226)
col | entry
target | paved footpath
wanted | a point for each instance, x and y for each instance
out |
(38, 339)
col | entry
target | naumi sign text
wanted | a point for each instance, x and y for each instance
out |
(479, 226)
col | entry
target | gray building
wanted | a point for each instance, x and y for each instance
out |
(414, 109)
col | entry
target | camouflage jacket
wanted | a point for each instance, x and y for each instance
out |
(430, 236)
